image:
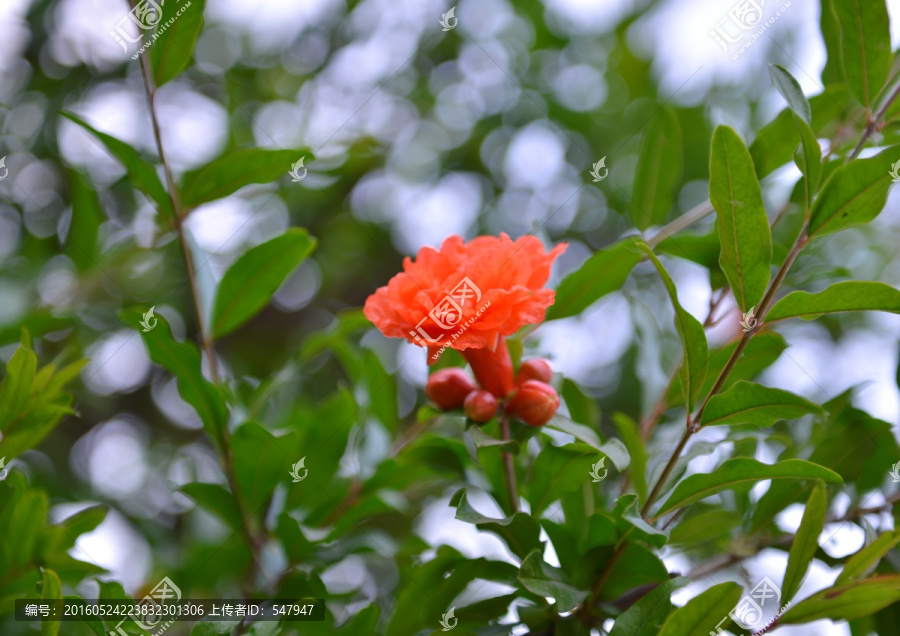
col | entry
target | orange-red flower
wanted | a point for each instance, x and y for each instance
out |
(467, 295)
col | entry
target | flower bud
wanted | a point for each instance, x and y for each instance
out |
(448, 388)
(535, 402)
(480, 406)
(534, 369)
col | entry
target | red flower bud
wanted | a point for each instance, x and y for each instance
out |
(534, 369)
(535, 402)
(448, 388)
(480, 406)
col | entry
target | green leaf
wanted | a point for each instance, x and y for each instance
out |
(846, 602)
(693, 339)
(141, 174)
(520, 531)
(229, 173)
(87, 215)
(218, 501)
(791, 91)
(631, 521)
(645, 617)
(865, 46)
(173, 49)
(559, 471)
(16, 385)
(808, 158)
(864, 561)
(250, 282)
(542, 579)
(182, 359)
(604, 272)
(703, 613)
(260, 463)
(845, 296)
(628, 431)
(750, 403)
(738, 471)
(743, 226)
(382, 389)
(806, 542)
(658, 171)
(704, 526)
(52, 590)
(856, 193)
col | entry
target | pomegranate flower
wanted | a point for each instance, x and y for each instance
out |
(469, 297)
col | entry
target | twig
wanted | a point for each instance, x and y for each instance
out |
(254, 543)
(874, 123)
(509, 469)
(688, 218)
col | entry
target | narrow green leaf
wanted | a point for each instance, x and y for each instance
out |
(260, 463)
(229, 173)
(704, 526)
(52, 591)
(743, 226)
(629, 431)
(520, 531)
(604, 272)
(808, 158)
(738, 471)
(703, 613)
(216, 500)
(846, 602)
(750, 403)
(559, 471)
(806, 542)
(692, 335)
(856, 193)
(545, 580)
(864, 561)
(791, 91)
(87, 215)
(141, 174)
(16, 385)
(659, 170)
(629, 521)
(845, 296)
(182, 359)
(173, 49)
(865, 46)
(645, 617)
(250, 282)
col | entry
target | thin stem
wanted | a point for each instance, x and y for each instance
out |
(254, 543)
(670, 465)
(688, 218)
(875, 123)
(508, 468)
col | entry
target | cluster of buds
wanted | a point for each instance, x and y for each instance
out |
(529, 398)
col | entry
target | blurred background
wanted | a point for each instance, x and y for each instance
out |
(418, 133)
